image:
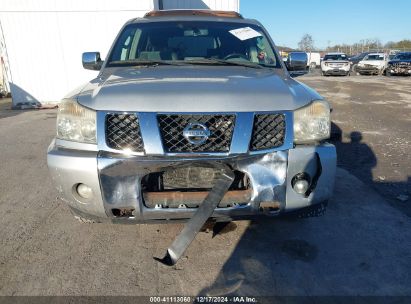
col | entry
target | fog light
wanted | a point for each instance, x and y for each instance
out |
(301, 183)
(84, 191)
(301, 186)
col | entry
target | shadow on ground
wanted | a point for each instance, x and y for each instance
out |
(359, 248)
(355, 156)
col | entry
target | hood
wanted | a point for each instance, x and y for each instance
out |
(373, 62)
(194, 89)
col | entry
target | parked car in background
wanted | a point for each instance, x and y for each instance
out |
(297, 63)
(392, 54)
(400, 65)
(335, 64)
(357, 58)
(373, 64)
(314, 60)
(354, 60)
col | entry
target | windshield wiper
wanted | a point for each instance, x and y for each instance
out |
(224, 62)
(143, 63)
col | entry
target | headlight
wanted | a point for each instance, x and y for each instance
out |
(312, 122)
(76, 123)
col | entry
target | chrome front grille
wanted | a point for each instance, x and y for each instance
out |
(225, 133)
(172, 126)
(123, 132)
(268, 132)
(402, 64)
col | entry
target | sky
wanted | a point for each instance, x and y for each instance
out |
(331, 22)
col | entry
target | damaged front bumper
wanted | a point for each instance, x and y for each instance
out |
(118, 193)
(369, 70)
(400, 69)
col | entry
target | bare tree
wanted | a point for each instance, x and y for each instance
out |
(306, 43)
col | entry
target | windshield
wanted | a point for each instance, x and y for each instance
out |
(335, 57)
(193, 42)
(405, 56)
(375, 57)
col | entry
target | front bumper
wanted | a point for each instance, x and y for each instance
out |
(115, 180)
(336, 71)
(368, 70)
(399, 70)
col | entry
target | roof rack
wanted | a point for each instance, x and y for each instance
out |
(207, 13)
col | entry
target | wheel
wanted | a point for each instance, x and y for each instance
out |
(82, 218)
(354, 68)
(388, 73)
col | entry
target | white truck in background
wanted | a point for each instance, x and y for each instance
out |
(314, 60)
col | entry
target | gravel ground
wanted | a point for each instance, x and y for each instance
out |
(361, 247)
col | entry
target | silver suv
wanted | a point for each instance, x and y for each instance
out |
(192, 113)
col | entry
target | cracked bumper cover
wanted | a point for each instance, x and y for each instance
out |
(116, 181)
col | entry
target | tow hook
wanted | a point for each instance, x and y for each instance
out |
(194, 225)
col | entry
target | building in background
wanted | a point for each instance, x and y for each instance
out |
(44, 40)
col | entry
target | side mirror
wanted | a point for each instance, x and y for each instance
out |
(297, 63)
(92, 61)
